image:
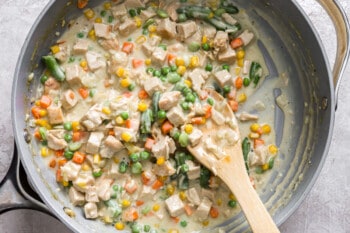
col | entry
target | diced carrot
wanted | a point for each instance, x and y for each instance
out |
(130, 214)
(146, 177)
(236, 43)
(59, 177)
(232, 94)
(139, 202)
(149, 144)
(258, 142)
(239, 83)
(188, 210)
(77, 135)
(234, 105)
(136, 63)
(198, 120)
(71, 95)
(45, 101)
(78, 157)
(37, 135)
(166, 127)
(62, 162)
(135, 215)
(82, 3)
(59, 153)
(207, 111)
(83, 92)
(214, 212)
(111, 132)
(127, 47)
(130, 186)
(36, 112)
(157, 184)
(176, 219)
(171, 57)
(52, 163)
(143, 94)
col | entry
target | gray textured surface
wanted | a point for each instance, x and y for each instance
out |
(325, 209)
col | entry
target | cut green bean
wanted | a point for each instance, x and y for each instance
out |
(246, 150)
(54, 68)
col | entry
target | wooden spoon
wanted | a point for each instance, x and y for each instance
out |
(231, 166)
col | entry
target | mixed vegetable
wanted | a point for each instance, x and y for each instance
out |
(124, 94)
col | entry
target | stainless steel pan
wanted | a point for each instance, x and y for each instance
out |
(285, 35)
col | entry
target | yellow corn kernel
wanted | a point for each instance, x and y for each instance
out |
(65, 183)
(119, 226)
(141, 39)
(148, 62)
(107, 219)
(126, 136)
(75, 125)
(173, 231)
(219, 201)
(254, 127)
(125, 203)
(156, 207)
(106, 110)
(119, 120)
(89, 13)
(86, 167)
(194, 61)
(120, 72)
(188, 128)
(83, 64)
(273, 149)
(82, 184)
(98, 20)
(265, 167)
(188, 83)
(152, 28)
(179, 62)
(142, 107)
(266, 129)
(152, 34)
(204, 39)
(44, 151)
(107, 5)
(232, 197)
(242, 98)
(254, 135)
(205, 223)
(182, 195)
(37, 103)
(170, 189)
(238, 70)
(116, 160)
(160, 160)
(162, 178)
(240, 62)
(43, 123)
(125, 82)
(55, 49)
(138, 22)
(92, 34)
(96, 159)
(211, 15)
(43, 113)
(181, 70)
(240, 54)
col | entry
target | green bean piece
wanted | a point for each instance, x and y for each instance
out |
(43, 79)
(114, 207)
(131, 87)
(182, 181)
(144, 155)
(246, 150)
(150, 70)
(194, 46)
(181, 18)
(67, 126)
(210, 101)
(146, 121)
(271, 162)
(132, 13)
(226, 67)
(162, 13)
(123, 166)
(255, 72)
(180, 158)
(219, 11)
(184, 168)
(173, 77)
(155, 102)
(146, 210)
(146, 228)
(163, 46)
(204, 177)
(259, 170)
(145, 31)
(148, 23)
(74, 146)
(184, 139)
(135, 157)
(43, 133)
(55, 69)
(103, 13)
(231, 9)
(110, 19)
(136, 168)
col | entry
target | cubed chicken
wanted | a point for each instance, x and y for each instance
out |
(196, 37)
(147, 192)
(83, 181)
(221, 41)
(203, 209)
(197, 77)
(70, 170)
(117, 60)
(175, 48)
(81, 46)
(90, 210)
(127, 27)
(51, 85)
(223, 77)
(208, 193)
(119, 10)
(158, 55)
(194, 171)
(146, 14)
(186, 29)
(94, 60)
(171, 8)
(246, 37)
(147, 48)
(229, 19)
(209, 31)
(246, 67)
(217, 117)
(103, 188)
(228, 56)
(169, 100)
(102, 30)
(134, 4)
(110, 44)
(193, 196)
(113, 143)
(155, 40)
(55, 140)
(166, 169)
(259, 156)
(152, 85)
(62, 55)
(175, 206)
(76, 198)
(93, 118)
(94, 142)
(91, 194)
(195, 137)
(69, 99)
(167, 28)
(55, 114)
(163, 147)
(176, 116)
(73, 74)
(245, 116)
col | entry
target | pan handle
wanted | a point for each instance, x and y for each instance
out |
(342, 28)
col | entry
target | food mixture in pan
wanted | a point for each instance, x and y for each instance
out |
(124, 94)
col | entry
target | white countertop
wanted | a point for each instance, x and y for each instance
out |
(327, 207)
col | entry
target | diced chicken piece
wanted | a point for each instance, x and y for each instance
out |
(158, 55)
(102, 30)
(246, 66)
(209, 31)
(94, 60)
(93, 118)
(147, 192)
(55, 114)
(127, 27)
(147, 49)
(113, 143)
(221, 40)
(196, 37)
(246, 37)
(167, 28)
(55, 139)
(186, 29)
(223, 77)
(81, 46)
(146, 14)
(69, 99)
(259, 105)
(73, 74)
(110, 44)
(175, 206)
(62, 55)
(103, 188)
(70, 170)
(203, 209)
(134, 4)
(94, 142)
(197, 77)
(244, 116)
(176, 116)
(90, 210)
(193, 170)
(76, 198)
(166, 169)
(229, 19)
(208, 193)
(118, 59)
(195, 137)
(259, 156)
(83, 181)
(177, 47)
(119, 10)
(152, 85)
(229, 55)
(217, 117)
(155, 40)
(169, 100)
(91, 194)
(51, 86)
(171, 9)
(164, 147)
(193, 196)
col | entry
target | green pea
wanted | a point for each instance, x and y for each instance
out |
(232, 203)
(43, 79)
(226, 67)
(123, 166)
(150, 70)
(175, 135)
(97, 174)
(226, 89)
(110, 19)
(186, 90)
(124, 115)
(156, 73)
(136, 168)
(190, 98)
(80, 34)
(145, 31)
(185, 106)
(183, 223)
(161, 114)
(271, 162)
(246, 82)
(146, 228)
(103, 13)
(162, 13)
(71, 59)
(209, 67)
(68, 154)
(183, 139)
(173, 68)
(67, 126)
(144, 155)
(131, 87)
(173, 77)
(210, 101)
(259, 170)
(135, 157)
(132, 13)
(182, 18)
(67, 137)
(165, 70)
(113, 195)
(184, 168)
(163, 46)
(194, 46)
(205, 47)
(74, 146)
